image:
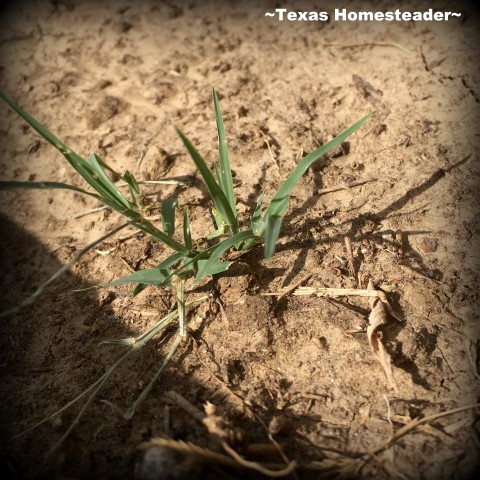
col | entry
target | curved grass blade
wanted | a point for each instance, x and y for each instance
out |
(43, 186)
(187, 234)
(218, 196)
(222, 226)
(131, 181)
(208, 267)
(147, 276)
(273, 224)
(225, 172)
(46, 134)
(216, 233)
(277, 205)
(147, 227)
(104, 184)
(256, 222)
(159, 276)
(214, 268)
(60, 272)
(168, 216)
(91, 169)
(272, 232)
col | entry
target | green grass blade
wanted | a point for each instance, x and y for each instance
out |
(214, 268)
(187, 234)
(256, 222)
(105, 185)
(216, 169)
(170, 261)
(91, 169)
(209, 268)
(159, 275)
(225, 173)
(139, 289)
(148, 276)
(107, 190)
(43, 186)
(168, 216)
(216, 233)
(221, 224)
(46, 134)
(147, 227)
(106, 166)
(277, 204)
(165, 265)
(272, 232)
(130, 180)
(271, 222)
(113, 204)
(73, 158)
(218, 197)
(60, 272)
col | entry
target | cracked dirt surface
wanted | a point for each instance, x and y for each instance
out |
(114, 78)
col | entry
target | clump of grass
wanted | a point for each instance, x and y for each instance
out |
(187, 260)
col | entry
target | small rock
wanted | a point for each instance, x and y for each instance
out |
(428, 245)
(160, 463)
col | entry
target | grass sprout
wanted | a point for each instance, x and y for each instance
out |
(188, 260)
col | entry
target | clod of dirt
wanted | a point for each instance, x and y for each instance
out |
(122, 27)
(105, 110)
(367, 90)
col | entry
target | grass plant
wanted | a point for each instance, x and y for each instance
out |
(187, 259)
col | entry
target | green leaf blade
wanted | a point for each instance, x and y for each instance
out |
(7, 185)
(130, 180)
(168, 216)
(147, 227)
(219, 250)
(256, 222)
(271, 223)
(104, 185)
(289, 184)
(213, 187)
(225, 174)
(213, 268)
(187, 234)
(41, 129)
(149, 276)
(272, 232)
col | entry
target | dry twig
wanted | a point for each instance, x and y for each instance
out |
(293, 287)
(345, 186)
(363, 45)
(342, 292)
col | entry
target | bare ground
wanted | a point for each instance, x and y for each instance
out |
(114, 78)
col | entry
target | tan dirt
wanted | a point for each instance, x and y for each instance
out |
(114, 78)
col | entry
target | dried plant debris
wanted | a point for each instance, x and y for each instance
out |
(344, 292)
(221, 429)
(218, 426)
(377, 318)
